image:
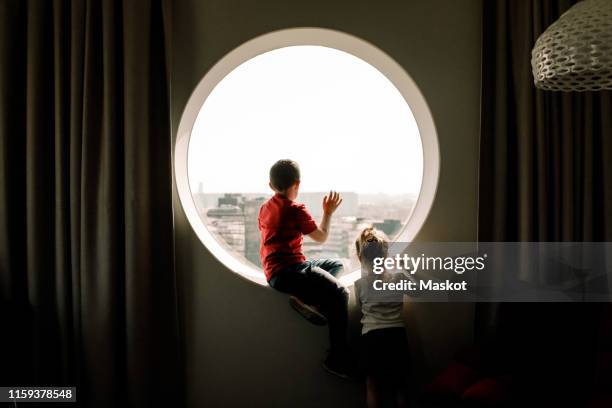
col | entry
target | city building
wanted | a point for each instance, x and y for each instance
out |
(227, 223)
(389, 226)
(233, 219)
(251, 229)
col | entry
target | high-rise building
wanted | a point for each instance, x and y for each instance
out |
(389, 226)
(233, 218)
(230, 199)
(251, 229)
(340, 243)
(228, 224)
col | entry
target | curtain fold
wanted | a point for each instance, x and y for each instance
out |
(86, 246)
(545, 175)
(545, 157)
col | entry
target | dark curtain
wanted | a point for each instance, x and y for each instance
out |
(545, 175)
(545, 157)
(86, 230)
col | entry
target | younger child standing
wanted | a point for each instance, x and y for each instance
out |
(385, 347)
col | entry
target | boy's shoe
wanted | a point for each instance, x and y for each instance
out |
(310, 313)
(341, 365)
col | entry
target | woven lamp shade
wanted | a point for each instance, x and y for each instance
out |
(575, 52)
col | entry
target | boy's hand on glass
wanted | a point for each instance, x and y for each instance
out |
(331, 202)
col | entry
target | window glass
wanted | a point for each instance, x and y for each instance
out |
(340, 118)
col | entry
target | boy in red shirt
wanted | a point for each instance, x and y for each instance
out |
(312, 283)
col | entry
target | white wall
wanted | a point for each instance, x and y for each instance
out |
(243, 344)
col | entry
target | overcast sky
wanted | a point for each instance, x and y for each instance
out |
(340, 118)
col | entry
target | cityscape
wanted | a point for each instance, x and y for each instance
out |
(232, 219)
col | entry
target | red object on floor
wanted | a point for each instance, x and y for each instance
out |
(453, 381)
(487, 391)
(603, 371)
(600, 403)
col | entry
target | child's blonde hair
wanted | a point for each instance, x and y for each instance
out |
(370, 244)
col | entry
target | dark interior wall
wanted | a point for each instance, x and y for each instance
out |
(243, 344)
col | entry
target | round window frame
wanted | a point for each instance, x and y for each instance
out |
(296, 37)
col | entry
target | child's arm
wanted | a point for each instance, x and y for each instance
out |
(330, 203)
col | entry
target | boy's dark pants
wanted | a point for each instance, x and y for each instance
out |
(314, 283)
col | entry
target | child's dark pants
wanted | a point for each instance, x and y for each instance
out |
(314, 283)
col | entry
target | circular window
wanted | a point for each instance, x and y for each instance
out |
(345, 111)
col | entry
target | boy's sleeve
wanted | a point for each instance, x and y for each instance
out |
(306, 224)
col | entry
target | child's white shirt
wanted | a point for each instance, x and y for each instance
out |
(377, 315)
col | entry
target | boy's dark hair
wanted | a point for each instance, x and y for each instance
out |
(283, 174)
